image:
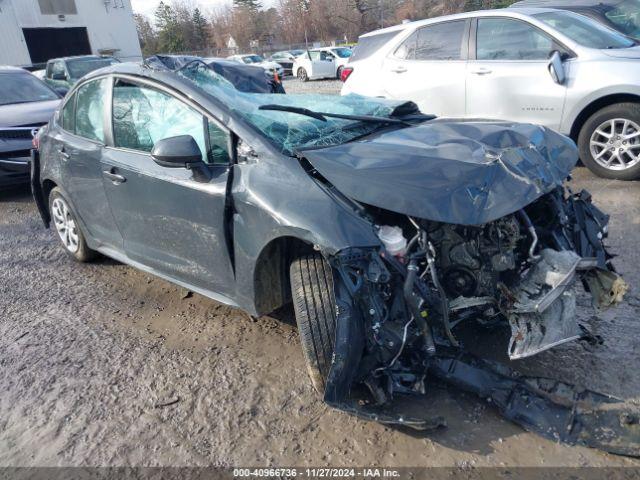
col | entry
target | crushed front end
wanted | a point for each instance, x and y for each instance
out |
(399, 307)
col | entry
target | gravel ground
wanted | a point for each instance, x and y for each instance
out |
(101, 364)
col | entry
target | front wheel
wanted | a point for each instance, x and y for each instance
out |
(609, 142)
(302, 75)
(67, 228)
(314, 305)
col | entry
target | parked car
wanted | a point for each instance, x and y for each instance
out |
(621, 15)
(385, 228)
(62, 73)
(285, 60)
(544, 66)
(320, 63)
(26, 103)
(272, 68)
(245, 78)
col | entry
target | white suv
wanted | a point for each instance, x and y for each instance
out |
(543, 66)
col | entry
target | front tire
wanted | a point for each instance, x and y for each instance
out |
(302, 75)
(609, 142)
(67, 227)
(314, 305)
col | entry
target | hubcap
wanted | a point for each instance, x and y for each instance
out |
(65, 224)
(615, 144)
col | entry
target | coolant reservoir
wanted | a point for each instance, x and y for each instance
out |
(393, 240)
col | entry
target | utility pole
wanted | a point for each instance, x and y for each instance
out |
(381, 3)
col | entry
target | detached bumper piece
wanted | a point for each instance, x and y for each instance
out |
(548, 407)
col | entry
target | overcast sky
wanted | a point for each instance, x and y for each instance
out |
(147, 7)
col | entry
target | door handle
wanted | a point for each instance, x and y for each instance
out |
(481, 71)
(399, 70)
(63, 154)
(115, 178)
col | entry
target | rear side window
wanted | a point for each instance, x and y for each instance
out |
(508, 39)
(443, 41)
(367, 46)
(90, 106)
(69, 114)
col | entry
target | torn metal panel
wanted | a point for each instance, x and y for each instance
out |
(548, 407)
(544, 312)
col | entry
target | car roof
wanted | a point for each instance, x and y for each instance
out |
(566, 3)
(501, 12)
(10, 69)
(79, 57)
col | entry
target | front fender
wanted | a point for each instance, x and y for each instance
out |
(273, 201)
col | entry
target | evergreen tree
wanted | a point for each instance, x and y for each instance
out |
(199, 29)
(251, 5)
(170, 37)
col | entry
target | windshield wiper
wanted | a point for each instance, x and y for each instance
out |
(322, 116)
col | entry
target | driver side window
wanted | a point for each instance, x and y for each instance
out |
(509, 39)
(143, 115)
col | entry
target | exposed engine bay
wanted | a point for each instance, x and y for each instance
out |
(399, 308)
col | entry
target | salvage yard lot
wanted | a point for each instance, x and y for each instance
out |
(102, 364)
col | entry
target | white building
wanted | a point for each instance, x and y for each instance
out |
(33, 31)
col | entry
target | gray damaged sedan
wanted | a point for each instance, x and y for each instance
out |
(390, 231)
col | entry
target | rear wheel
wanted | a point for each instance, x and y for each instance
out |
(609, 142)
(314, 305)
(67, 228)
(302, 75)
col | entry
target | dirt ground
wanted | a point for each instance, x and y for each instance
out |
(101, 364)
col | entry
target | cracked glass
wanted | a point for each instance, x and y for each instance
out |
(292, 131)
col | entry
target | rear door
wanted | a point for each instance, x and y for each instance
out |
(172, 219)
(429, 68)
(79, 145)
(508, 77)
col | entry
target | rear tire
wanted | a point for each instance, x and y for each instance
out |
(302, 75)
(314, 305)
(66, 225)
(603, 138)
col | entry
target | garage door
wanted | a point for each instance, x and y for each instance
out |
(47, 43)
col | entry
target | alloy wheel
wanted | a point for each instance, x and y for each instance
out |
(65, 224)
(615, 144)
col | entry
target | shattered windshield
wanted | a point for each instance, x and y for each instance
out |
(291, 131)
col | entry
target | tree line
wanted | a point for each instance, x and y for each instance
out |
(181, 26)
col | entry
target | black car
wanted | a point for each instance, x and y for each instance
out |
(621, 15)
(244, 78)
(26, 104)
(389, 230)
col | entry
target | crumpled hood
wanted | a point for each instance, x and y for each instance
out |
(462, 172)
(24, 114)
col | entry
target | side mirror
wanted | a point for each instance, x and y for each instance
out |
(176, 152)
(59, 76)
(556, 68)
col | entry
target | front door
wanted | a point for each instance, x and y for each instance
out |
(429, 67)
(80, 144)
(322, 65)
(509, 77)
(171, 219)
